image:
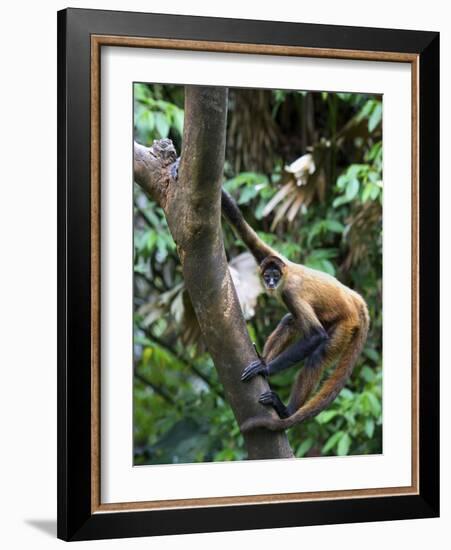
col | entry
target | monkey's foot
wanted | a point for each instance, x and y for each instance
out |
(271, 398)
(256, 367)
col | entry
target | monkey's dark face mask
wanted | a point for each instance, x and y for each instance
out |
(271, 277)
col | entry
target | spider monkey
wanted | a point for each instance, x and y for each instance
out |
(328, 323)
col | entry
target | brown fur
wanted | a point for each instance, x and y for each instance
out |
(314, 300)
(317, 299)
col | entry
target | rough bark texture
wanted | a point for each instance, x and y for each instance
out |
(192, 204)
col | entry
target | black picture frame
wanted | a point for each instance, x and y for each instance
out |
(76, 521)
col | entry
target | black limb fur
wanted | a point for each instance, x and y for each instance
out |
(315, 359)
(313, 345)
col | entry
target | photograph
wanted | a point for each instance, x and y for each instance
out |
(248, 274)
(301, 173)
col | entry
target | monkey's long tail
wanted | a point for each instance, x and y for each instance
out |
(232, 213)
(328, 392)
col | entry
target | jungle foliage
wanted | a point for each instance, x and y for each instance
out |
(306, 169)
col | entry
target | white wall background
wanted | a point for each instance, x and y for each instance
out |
(28, 271)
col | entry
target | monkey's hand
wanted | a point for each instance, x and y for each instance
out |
(271, 398)
(256, 367)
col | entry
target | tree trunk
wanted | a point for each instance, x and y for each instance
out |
(192, 204)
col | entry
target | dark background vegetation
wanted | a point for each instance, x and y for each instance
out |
(327, 216)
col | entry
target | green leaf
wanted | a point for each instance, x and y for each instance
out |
(319, 259)
(373, 176)
(332, 441)
(375, 192)
(326, 416)
(372, 354)
(350, 418)
(369, 427)
(374, 152)
(225, 454)
(328, 267)
(323, 226)
(356, 169)
(334, 226)
(367, 374)
(342, 181)
(366, 192)
(365, 403)
(343, 199)
(146, 355)
(304, 447)
(324, 253)
(374, 404)
(245, 178)
(179, 116)
(366, 110)
(149, 120)
(347, 393)
(141, 92)
(375, 118)
(162, 125)
(344, 96)
(372, 191)
(352, 188)
(343, 445)
(151, 240)
(248, 194)
(144, 120)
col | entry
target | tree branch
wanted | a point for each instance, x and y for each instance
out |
(157, 389)
(192, 204)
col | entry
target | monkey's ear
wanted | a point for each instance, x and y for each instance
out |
(272, 260)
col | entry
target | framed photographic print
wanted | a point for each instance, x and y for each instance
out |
(248, 274)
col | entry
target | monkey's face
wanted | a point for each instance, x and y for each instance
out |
(271, 277)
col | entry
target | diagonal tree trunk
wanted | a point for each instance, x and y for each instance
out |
(192, 204)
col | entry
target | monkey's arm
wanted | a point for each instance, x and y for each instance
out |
(315, 339)
(232, 213)
(279, 339)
